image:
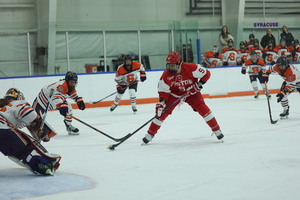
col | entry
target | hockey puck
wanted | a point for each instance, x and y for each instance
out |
(111, 147)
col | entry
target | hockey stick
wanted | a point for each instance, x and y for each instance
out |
(94, 102)
(113, 146)
(115, 139)
(46, 110)
(269, 107)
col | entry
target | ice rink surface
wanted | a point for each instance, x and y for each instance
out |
(258, 160)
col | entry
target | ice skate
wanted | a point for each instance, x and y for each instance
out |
(134, 109)
(113, 107)
(219, 134)
(268, 95)
(285, 113)
(147, 138)
(71, 129)
(256, 96)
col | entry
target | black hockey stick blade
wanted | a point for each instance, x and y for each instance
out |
(113, 146)
(94, 102)
(269, 107)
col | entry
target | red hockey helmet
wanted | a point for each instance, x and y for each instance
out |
(174, 58)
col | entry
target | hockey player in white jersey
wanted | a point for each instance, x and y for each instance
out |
(55, 95)
(16, 113)
(270, 53)
(291, 83)
(256, 68)
(230, 55)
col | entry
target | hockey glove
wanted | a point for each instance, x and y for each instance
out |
(264, 77)
(120, 82)
(243, 70)
(225, 63)
(63, 109)
(80, 103)
(159, 108)
(36, 124)
(143, 78)
(280, 96)
(193, 89)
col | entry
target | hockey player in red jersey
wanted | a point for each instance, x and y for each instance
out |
(245, 53)
(127, 77)
(55, 95)
(16, 113)
(212, 58)
(256, 68)
(256, 48)
(230, 55)
(270, 53)
(179, 79)
(291, 76)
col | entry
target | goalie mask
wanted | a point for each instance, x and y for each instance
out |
(173, 61)
(214, 49)
(14, 94)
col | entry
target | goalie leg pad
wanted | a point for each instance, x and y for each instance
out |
(38, 164)
(39, 160)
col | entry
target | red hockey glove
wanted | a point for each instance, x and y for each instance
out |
(80, 103)
(159, 108)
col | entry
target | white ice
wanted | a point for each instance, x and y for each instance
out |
(257, 161)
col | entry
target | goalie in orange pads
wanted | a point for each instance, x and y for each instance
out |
(20, 147)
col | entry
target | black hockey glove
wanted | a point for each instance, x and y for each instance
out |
(143, 78)
(80, 103)
(280, 96)
(243, 70)
(225, 63)
(63, 109)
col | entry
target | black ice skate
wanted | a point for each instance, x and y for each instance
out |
(71, 129)
(218, 134)
(113, 107)
(268, 95)
(285, 113)
(256, 96)
(147, 138)
(134, 109)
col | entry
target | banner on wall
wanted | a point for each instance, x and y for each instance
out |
(268, 24)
